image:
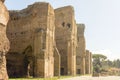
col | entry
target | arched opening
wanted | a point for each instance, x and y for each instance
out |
(28, 61)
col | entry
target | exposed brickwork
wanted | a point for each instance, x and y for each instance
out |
(43, 42)
(31, 34)
(4, 43)
(65, 36)
(80, 55)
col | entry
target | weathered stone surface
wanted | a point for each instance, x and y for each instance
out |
(65, 36)
(31, 34)
(35, 51)
(4, 43)
(80, 55)
(2, 0)
(87, 62)
(91, 65)
(57, 61)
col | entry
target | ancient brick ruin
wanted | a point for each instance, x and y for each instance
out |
(43, 42)
(31, 35)
(91, 67)
(81, 52)
(4, 43)
(65, 37)
(88, 62)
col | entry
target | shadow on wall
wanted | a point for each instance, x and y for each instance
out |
(20, 65)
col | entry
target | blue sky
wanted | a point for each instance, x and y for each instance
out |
(101, 17)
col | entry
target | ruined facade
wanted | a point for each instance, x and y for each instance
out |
(44, 42)
(80, 55)
(65, 37)
(4, 43)
(31, 35)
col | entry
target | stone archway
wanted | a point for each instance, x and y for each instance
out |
(28, 61)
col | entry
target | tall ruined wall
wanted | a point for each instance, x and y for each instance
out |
(80, 55)
(87, 62)
(31, 34)
(65, 36)
(4, 43)
(91, 65)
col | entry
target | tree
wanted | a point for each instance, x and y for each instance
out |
(116, 63)
(99, 56)
(109, 63)
(97, 62)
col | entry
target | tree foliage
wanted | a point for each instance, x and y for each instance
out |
(101, 63)
(97, 62)
(99, 56)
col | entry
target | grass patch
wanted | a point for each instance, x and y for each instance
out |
(84, 75)
(62, 77)
(54, 78)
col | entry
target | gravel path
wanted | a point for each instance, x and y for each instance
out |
(94, 78)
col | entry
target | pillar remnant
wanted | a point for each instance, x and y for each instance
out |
(66, 39)
(80, 55)
(87, 62)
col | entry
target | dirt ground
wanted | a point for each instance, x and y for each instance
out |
(94, 78)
